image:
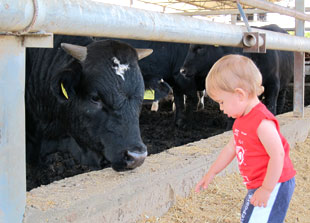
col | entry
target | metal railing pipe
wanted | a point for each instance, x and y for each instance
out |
(271, 7)
(220, 12)
(85, 17)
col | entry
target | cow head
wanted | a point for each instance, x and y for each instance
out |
(101, 92)
(200, 59)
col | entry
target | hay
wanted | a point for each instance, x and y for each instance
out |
(221, 202)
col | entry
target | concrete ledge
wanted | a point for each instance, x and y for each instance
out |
(108, 196)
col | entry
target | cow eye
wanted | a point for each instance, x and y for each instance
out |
(96, 100)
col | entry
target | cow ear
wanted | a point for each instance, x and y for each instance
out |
(159, 88)
(64, 84)
(76, 51)
(143, 53)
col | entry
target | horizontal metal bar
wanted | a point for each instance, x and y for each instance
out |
(292, 84)
(90, 18)
(293, 29)
(276, 8)
(224, 12)
(220, 12)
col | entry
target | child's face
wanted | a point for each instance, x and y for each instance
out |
(232, 104)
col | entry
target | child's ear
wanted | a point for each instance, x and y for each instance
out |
(241, 93)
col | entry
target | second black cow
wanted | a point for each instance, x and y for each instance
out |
(277, 68)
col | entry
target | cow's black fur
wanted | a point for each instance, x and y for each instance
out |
(100, 120)
(165, 63)
(276, 66)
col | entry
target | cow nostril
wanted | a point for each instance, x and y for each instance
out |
(183, 71)
(128, 157)
(135, 158)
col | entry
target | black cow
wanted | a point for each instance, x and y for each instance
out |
(277, 68)
(165, 63)
(87, 95)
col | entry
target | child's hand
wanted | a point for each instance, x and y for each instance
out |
(204, 182)
(260, 197)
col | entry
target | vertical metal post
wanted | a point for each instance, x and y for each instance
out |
(12, 130)
(299, 65)
(12, 123)
(233, 19)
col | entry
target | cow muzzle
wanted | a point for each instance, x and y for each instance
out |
(186, 73)
(134, 159)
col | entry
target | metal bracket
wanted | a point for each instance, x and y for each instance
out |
(33, 39)
(254, 42)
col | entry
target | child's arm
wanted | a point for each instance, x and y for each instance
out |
(271, 140)
(225, 157)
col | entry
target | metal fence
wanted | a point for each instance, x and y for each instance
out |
(28, 23)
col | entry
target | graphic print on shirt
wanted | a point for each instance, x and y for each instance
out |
(240, 158)
(236, 132)
(240, 154)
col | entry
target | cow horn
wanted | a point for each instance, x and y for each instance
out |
(76, 51)
(143, 53)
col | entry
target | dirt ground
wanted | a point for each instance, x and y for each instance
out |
(221, 202)
(158, 133)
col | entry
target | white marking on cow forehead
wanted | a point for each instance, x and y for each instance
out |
(120, 69)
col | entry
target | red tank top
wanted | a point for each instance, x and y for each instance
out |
(251, 154)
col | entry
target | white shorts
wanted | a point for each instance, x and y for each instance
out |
(277, 206)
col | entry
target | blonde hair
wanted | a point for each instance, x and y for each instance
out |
(234, 71)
